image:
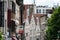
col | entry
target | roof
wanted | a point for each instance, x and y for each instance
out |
(39, 15)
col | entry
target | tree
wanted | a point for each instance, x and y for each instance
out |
(1, 38)
(53, 24)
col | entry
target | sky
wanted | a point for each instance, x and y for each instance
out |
(43, 2)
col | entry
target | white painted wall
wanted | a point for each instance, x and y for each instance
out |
(43, 8)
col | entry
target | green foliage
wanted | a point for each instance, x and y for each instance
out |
(1, 38)
(53, 24)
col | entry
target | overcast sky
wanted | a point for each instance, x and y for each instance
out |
(42, 2)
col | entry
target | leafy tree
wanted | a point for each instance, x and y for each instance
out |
(53, 24)
(1, 38)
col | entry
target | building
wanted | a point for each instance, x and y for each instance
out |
(3, 15)
(27, 17)
(33, 30)
(13, 15)
(44, 13)
(44, 10)
(11, 12)
(35, 27)
(38, 27)
(26, 29)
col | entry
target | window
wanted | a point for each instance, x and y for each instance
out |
(39, 11)
(43, 11)
(47, 11)
(13, 7)
(1, 14)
